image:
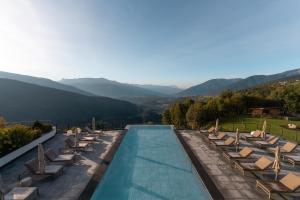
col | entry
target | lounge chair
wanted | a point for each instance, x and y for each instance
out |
(50, 170)
(88, 138)
(210, 130)
(19, 193)
(59, 158)
(285, 149)
(81, 145)
(288, 184)
(260, 165)
(271, 141)
(255, 136)
(224, 143)
(220, 136)
(90, 131)
(292, 159)
(244, 153)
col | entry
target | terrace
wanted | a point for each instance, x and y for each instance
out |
(228, 180)
(80, 179)
(75, 177)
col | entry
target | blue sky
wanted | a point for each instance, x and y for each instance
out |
(167, 42)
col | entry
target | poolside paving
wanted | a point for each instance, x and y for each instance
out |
(229, 181)
(70, 185)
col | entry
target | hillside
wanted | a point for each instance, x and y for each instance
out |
(211, 87)
(216, 86)
(23, 101)
(42, 82)
(108, 88)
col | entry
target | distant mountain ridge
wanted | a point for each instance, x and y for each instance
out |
(42, 82)
(108, 88)
(216, 86)
(24, 101)
(211, 87)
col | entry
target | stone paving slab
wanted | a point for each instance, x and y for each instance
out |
(76, 176)
(229, 181)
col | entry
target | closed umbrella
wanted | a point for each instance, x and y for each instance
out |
(217, 126)
(264, 129)
(237, 140)
(41, 159)
(276, 165)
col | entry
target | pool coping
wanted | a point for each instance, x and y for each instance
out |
(206, 179)
(90, 188)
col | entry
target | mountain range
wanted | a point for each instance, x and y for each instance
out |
(114, 89)
(42, 82)
(216, 86)
(22, 101)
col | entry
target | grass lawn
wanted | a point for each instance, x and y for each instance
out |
(274, 126)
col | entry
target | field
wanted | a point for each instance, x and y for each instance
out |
(274, 126)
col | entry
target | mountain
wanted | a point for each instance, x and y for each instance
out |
(23, 101)
(42, 82)
(166, 90)
(215, 86)
(108, 88)
(211, 87)
(260, 79)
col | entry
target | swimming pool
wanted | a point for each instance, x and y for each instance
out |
(150, 164)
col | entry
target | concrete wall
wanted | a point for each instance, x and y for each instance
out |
(15, 154)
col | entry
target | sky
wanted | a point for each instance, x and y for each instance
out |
(167, 42)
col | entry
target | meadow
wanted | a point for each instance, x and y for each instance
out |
(274, 126)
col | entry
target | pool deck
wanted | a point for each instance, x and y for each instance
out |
(231, 184)
(76, 177)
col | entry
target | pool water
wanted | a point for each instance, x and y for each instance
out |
(150, 164)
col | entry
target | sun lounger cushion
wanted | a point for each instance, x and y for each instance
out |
(263, 163)
(64, 157)
(56, 157)
(291, 181)
(218, 137)
(211, 129)
(245, 152)
(227, 142)
(53, 169)
(288, 147)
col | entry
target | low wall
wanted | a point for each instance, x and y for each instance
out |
(22, 150)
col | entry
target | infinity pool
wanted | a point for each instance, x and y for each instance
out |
(150, 164)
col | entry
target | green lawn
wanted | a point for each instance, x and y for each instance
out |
(274, 126)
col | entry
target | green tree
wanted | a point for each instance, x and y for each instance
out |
(166, 118)
(2, 122)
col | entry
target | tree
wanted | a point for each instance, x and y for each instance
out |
(196, 115)
(2, 122)
(178, 115)
(166, 118)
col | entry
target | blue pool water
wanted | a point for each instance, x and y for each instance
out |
(150, 164)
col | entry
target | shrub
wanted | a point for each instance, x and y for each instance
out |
(44, 128)
(16, 136)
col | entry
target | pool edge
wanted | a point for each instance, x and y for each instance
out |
(90, 188)
(206, 179)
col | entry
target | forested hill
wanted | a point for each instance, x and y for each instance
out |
(190, 113)
(23, 101)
